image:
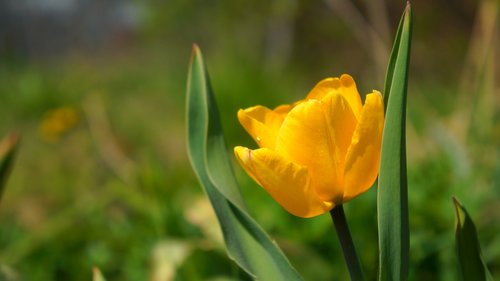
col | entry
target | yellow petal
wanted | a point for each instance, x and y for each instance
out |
(344, 86)
(363, 156)
(342, 121)
(261, 123)
(351, 94)
(288, 183)
(324, 87)
(316, 134)
(283, 109)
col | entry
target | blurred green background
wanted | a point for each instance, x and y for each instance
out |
(97, 90)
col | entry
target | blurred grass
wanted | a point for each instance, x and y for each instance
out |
(66, 209)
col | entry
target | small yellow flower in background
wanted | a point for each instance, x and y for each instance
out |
(318, 152)
(56, 122)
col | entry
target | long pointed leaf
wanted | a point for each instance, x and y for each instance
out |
(246, 242)
(392, 198)
(472, 265)
(8, 148)
(392, 63)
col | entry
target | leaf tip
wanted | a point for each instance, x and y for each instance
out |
(407, 12)
(459, 208)
(9, 143)
(196, 55)
(195, 51)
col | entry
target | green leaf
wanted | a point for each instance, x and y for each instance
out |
(392, 197)
(247, 244)
(8, 147)
(472, 265)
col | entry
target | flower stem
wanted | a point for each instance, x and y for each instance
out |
(344, 235)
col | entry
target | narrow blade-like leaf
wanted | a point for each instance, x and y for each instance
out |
(246, 242)
(472, 265)
(392, 198)
(8, 148)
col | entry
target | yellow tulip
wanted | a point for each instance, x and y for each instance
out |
(318, 152)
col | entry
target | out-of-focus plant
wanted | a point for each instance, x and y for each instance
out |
(56, 122)
(97, 275)
(8, 148)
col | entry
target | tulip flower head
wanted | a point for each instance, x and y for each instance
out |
(319, 152)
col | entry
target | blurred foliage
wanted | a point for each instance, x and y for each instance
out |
(115, 190)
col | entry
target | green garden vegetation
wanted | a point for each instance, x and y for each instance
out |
(95, 178)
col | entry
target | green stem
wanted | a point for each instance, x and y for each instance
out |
(344, 235)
